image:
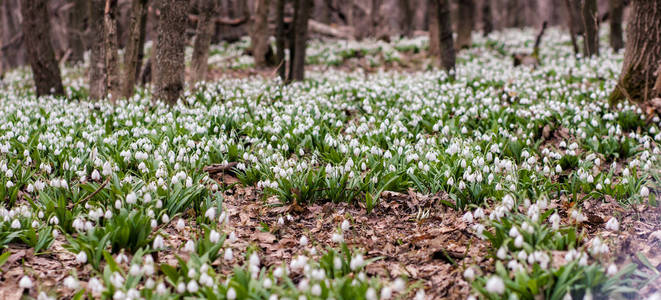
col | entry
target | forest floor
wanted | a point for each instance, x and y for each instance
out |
(499, 182)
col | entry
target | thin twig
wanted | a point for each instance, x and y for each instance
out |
(88, 197)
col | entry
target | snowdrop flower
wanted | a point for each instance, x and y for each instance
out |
(467, 217)
(71, 283)
(233, 237)
(25, 282)
(192, 286)
(95, 175)
(613, 224)
(96, 286)
(612, 270)
(369, 295)
(181, 287)
(518, 241)
(495, 285)
(644, 191)
(345, 225)
(210, 213)
(420, 295)
(15, 224)
(161, 289)
(81, 257)
(214, 236)
(469, 274)
(337, 238)
(231, 293)
(158, 242)
(228, 256)
(180, 224)
(303, 241)
(131, 198)
(357, 262)
(254, 259)
(189, 246)
(501, 253)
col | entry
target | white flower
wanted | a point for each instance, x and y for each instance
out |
(96, 175)
(644, 191)
(254, 259)
(131, 198)
(502, 253)
(180, 224)
(189, 246)
(192, 286)
(370, 294)
(495, 285)
(231, 294)
(345, 225)
(386, 293)
(612, 270)
(81, 257)
(71, 283)
(161, 289)
(468, 217)
(210, 213)
(316, 290)
(357, 262)
(228, 254)
(337, 238)
(25, 282)
(214, 236)
(303, 241)
(158, 242)
(15, 224)
(613, 224)
(469, 274)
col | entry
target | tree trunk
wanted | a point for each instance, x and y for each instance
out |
(515, 14)
(111, 51)
(375, 17)
(590, 26)
(571, 14)
(487, 18)
(203, 34)
(465, 23)
(169, 64)
(302, 9)
(45, 71)
(445, 34)
(616, 9)
(77, 18)
(280, 38)
(134, 46)
(434, 42)
(97, 72)
(406, 20)
(642, 55)
(260, 34)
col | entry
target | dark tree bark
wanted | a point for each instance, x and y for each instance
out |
(406, 17)
(515, 14)
(465, 22)
(642, 55)
(434, 42)
(571, 14)
(487, 18)
(12, 53)
(616, 9)
(280, 38)
(169, 64)
(77, 21)
(445, 35)
(203, 34)
(590, 27)
(302, 10)
(45, 71)
(134, 46)
(97, 72)
(111, 49)
(375, 17)
(260, 34)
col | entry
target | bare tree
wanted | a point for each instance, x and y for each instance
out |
(465, 22)
(111, 49)
(642, 55)
(406, 17)
(616, 10)
(280, 38)
(487, 17)
(135, 46)
(77, 20)
(572, 23)
(590, 26)
(434, 36)
(259, 36)
(45, 71)
(169, 63)
(445, 34)
(299, 37)
(97, 72)
(203, 34)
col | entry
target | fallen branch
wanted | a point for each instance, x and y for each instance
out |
(88, 197)
(220, 168)
(222, 20)
(343, 32)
